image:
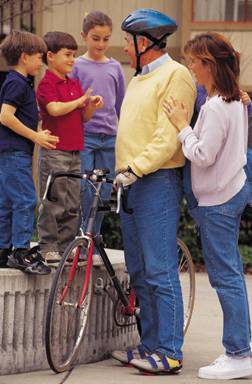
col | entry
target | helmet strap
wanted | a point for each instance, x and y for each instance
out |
(139, 54)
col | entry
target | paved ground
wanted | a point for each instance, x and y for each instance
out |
(202, 345)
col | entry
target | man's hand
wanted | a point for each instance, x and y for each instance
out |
(125, 178)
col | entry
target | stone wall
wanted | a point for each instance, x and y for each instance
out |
(23, 302)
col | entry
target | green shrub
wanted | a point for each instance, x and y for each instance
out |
(187, 232)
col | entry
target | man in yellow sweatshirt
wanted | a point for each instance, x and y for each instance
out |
(149, 160)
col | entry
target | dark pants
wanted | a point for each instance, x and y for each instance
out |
(58, 221)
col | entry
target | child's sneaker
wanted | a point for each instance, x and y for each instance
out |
(52, 257)
(226, 368)
(28, 260)
(4, 253)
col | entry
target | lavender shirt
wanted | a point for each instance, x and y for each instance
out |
(107, 80)
(202, 96)
(214, 144)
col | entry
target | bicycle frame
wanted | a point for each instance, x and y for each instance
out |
(72, 302)
(94, 241)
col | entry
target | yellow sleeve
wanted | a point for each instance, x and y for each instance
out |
(164, 143)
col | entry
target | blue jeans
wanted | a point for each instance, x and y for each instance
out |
(99, 152)
(219, 231)
(17, 199)
(149, 236)
(187, 186)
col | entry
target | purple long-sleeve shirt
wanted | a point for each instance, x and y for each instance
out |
(202, 95)
(107, 80)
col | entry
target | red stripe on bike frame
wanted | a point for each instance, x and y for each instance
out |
(132, 298)
(71, 275)
(87, 274)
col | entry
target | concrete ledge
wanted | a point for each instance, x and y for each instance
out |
(23, 302)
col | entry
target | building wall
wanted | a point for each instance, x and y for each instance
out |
(240, 35)
(68, 18)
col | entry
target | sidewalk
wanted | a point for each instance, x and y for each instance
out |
(202, 345)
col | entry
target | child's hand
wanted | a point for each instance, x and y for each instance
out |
(96, 102)
(176, 113)
(244, 97)
(84, 100)
(93, 103)
(46, 140)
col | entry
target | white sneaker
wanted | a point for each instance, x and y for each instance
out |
(226, 368)
(52, 257)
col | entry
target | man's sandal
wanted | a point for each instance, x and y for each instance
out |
(125, 357)
(157, 364)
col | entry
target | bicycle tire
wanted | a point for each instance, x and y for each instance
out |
(66, 319)
(187, 280)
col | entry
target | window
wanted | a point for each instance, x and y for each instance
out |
(16, 14)
(222, 10)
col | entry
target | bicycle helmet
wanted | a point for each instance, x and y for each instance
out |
(154, 25)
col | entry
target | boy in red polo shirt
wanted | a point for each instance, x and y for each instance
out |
(63, 108)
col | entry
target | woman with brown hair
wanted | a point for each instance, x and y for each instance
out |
(217, 150)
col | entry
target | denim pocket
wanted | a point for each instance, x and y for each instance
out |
(237, 203)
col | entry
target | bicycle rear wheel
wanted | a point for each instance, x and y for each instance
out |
(127, 316)
(187, 281)
(68, 305)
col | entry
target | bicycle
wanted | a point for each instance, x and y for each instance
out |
(72, 288)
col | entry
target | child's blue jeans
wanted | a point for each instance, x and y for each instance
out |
(17, 199)
(99, 152)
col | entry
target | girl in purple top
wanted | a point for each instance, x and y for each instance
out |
(105, 77)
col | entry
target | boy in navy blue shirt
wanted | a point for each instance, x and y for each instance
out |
(23, 52)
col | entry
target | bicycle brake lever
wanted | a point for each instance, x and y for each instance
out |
(118, 198)
(48, 182)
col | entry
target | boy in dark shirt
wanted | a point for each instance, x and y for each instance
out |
(18, 132)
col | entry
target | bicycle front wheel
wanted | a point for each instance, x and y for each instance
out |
(68, 305)
(187, 281)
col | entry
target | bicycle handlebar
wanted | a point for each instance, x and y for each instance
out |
(98, 175)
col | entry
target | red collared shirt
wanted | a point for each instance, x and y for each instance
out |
(68, 127)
